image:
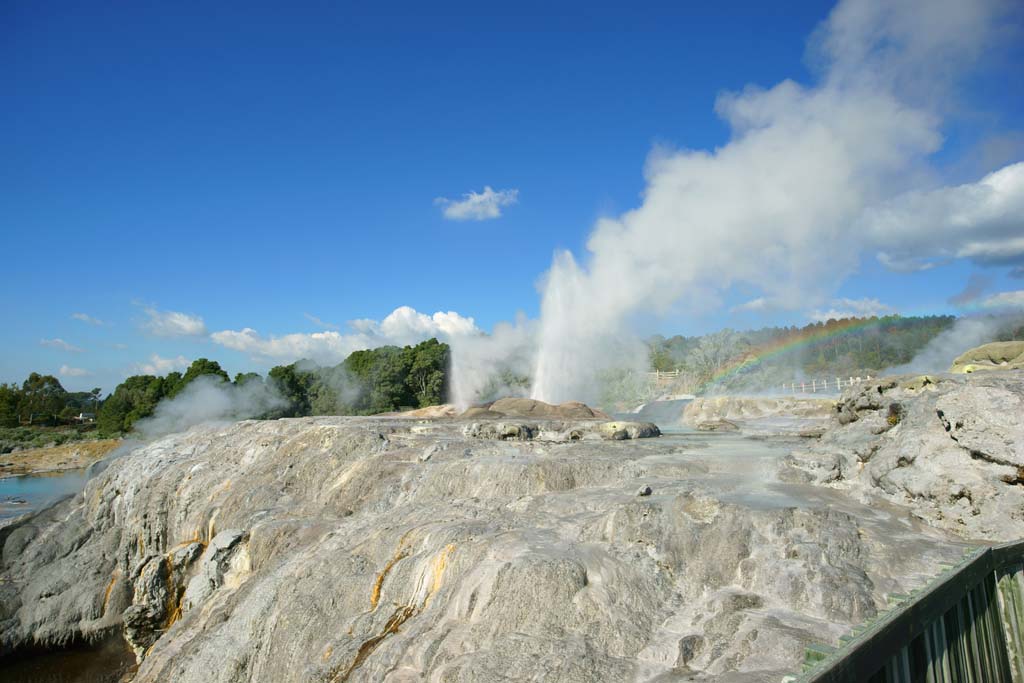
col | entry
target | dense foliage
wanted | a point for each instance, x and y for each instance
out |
(378, 380)
(40, 436)
(41, 412)
(42, 401)
(138, 396)
(373, 381)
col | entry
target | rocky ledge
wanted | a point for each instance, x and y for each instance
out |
(385, 549)
(762, 415)
(950, 447)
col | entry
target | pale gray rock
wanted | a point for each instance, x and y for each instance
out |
(532, 408)
(765, 415)
(214, 564)
(717, 425)
(950, 447)
(550, 430)
(327, 549)
(988, 421)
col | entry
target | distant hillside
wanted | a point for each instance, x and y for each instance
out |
(763, 359)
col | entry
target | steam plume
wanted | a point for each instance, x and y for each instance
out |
(209, 399)
(774, 207)
(966, 333)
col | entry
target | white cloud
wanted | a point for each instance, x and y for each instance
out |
(476, 206)
(1012, 299)
(86, 318)
(323, 347)
(320, 323)
(161, 366)
(406, 323)
(982, 222)
(68, 371)
(758, 304)
(401, 327)
(60, 344)
(173, 323)
(851, 308)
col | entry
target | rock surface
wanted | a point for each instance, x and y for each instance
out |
(758, 414)
(538, 410)
(430, 412)
(950, 447)
(370, 549)
(995, 356)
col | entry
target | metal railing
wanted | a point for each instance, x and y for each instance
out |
(965, 626)
(813, 386)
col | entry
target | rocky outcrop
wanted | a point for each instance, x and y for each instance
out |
(995, 356)
(560, 431)
(950, 447)
(368, 549)
(427, 413)
(760, 414)
(538, 410)
(506, 408)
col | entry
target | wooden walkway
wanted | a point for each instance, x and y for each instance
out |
(966, 626)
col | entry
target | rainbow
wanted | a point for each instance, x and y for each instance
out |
(783, 346)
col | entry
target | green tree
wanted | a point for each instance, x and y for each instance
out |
(172, 383)
(132, 400)
(292, 385)
(9, 397)
(388, 390)
(111, 418)
(199, 367)
(42, 398)
(427, 373)
(246, 377)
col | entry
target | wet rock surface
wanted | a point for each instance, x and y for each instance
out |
(950, 447)
(760, 414)
(374, 549)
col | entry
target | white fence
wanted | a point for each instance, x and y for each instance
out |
(813, 386)
(663, 375)
(809, 386)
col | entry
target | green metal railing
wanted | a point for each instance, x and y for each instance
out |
(966, 626)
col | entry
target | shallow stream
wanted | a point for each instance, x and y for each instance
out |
(30, 492)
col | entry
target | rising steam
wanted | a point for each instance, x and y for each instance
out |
(966, 333)
(775, 207)
(209, 399)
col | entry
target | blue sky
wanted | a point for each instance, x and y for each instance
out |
(249, 164)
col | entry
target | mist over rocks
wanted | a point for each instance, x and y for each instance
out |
(386, 549)
(759, 414)
(949, 447)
